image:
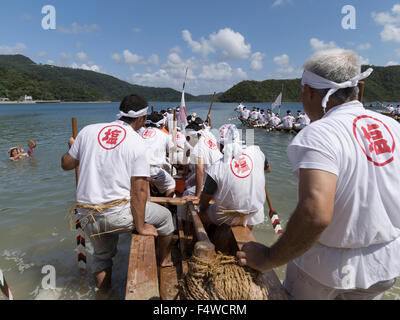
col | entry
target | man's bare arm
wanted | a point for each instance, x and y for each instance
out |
(68, 163)
(199, 176)
(311, 217)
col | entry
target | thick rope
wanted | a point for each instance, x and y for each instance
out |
(221, 279)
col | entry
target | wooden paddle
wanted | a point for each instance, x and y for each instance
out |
(361, 86)
(209, 111)
(80, 239)
(74, 134)
(273, 215)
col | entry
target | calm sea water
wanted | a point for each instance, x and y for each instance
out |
(36, 195)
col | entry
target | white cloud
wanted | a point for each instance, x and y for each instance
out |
(41, 54)
(176, 49)
(318, 45)
(231, 44)
(282, 61)
(392, 63)
(390, 22)
(131, 58)
(256, 61)
(88, 67)
(364, 46)
(154, 60)
(216, 72)
(65, 56)
(278, 3)
(284, 67)
(116, 57)
(18, 48)
(204, 47)
(81, 56)
(78, 29)
(136, 30)
(364, 61)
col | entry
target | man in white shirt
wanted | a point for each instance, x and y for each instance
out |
(170, 120)
(113, 172)
(245, 114)
(343, 239)
(254, 116)
(288, 121)
(157, 144)
(236, 182)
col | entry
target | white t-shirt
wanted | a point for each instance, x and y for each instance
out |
(206, 148)
(240, 107)
(170, 121)
(241, 184)
(275, 121)
(361, 147)
(157, 143)
(262, 117)
(288, 121)
(253, 115)
(109, 155)
(245, 114)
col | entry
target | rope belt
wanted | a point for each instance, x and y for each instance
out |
(95, 208)
(231, 216)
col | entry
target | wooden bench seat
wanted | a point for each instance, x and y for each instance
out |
(142, 279)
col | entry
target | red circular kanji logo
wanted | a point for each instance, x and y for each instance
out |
(375, 140)
(149, 133)
(111, 137)
(210, 143)
(243, 167)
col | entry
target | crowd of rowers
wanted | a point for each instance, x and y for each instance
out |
(136, 156)
(395, 111)
(271, 121)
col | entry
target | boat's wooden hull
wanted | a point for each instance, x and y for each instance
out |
(143, 283)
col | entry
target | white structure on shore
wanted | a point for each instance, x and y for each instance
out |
(4, 99)
(26, 98)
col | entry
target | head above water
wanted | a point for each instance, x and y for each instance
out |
(336, 65)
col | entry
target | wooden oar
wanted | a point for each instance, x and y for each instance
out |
(209, 110)
(361, 86)
(80, 239)
(273, 215)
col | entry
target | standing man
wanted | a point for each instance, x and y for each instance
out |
(158, 143)
(113, 188)
(343, 239)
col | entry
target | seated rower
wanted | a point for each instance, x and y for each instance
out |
(254, 116)
(244, 115)
(274, 122)
(236, 183)
(157, 144)
(287, 122)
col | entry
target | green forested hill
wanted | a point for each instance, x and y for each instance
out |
(383, 85)
(19, 75)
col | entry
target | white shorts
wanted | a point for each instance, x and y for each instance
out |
(109, 226)
(161, 179)
(301, 286)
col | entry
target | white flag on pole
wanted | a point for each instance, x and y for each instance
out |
(277, 102)
(182, 116)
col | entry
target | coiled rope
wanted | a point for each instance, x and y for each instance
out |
(221, 279)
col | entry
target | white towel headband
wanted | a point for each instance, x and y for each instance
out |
(133, 114)
(317, 82)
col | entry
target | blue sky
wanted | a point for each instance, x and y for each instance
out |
(223, 42)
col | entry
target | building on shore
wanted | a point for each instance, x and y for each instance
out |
(26, 98)
(4, 99)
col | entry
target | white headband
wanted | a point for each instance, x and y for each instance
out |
(158, 124)
(133, 114)
(317, 82)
